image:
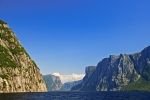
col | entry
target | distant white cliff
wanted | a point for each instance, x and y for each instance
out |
(69, 77)
(62, 82)
(53, 83)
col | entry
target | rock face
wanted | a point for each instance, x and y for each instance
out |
(18, 72)
(117, 72)
(68, 86)
(89, 71)
(53, 83)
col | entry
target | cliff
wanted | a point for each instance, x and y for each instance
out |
(18, 72)
(119, 73)
(53, 83)
(89, 71)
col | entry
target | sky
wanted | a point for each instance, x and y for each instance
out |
(65, 36)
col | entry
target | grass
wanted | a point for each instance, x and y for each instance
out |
(140, 85)
(14, 47)
(5, 58)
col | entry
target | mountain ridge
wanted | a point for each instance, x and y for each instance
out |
(18, 72)
(116, 72)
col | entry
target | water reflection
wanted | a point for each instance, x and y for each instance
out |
(77, 96)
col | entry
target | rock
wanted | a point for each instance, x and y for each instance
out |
(18, 72)
(68, 86)
(89, 71)
(53, 83)
(116, 72)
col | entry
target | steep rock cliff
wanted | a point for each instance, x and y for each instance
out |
(89, 71)
(119, 72)
(18, 72)
(53, 83)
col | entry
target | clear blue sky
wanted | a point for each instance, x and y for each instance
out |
(68, 35)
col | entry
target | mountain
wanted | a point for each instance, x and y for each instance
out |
(69, 77)
(89, 71)
(123, 72)
(18, 72)
(68, 86)
(53, 83)
(62, 82)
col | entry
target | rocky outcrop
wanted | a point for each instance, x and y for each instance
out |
(117, 72)
(89, 71)
(53, 83)
(18, 72)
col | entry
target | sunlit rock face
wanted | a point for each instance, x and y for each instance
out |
(116, 72)
(18, 72)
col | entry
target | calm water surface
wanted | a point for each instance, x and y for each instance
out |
(77, 96)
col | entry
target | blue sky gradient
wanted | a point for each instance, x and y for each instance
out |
(67, 35)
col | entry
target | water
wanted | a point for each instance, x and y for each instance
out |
(77, 96)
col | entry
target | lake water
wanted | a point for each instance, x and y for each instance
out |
(77, 96)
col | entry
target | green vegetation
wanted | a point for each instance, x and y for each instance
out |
(17, 50)
(140, 85)
(15, 47)
(4, 76)
(6, 34)
(146, 72)
(5, 58)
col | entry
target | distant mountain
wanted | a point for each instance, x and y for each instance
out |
(59, 82)
(89, 71)
(18, 72)
(68, 86)
(123, 72)
(53, 83)
(69, 77)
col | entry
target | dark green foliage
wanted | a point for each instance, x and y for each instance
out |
(4, 76)
(140, 85)
(5, 58)
(146, 72)
(15, 48)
